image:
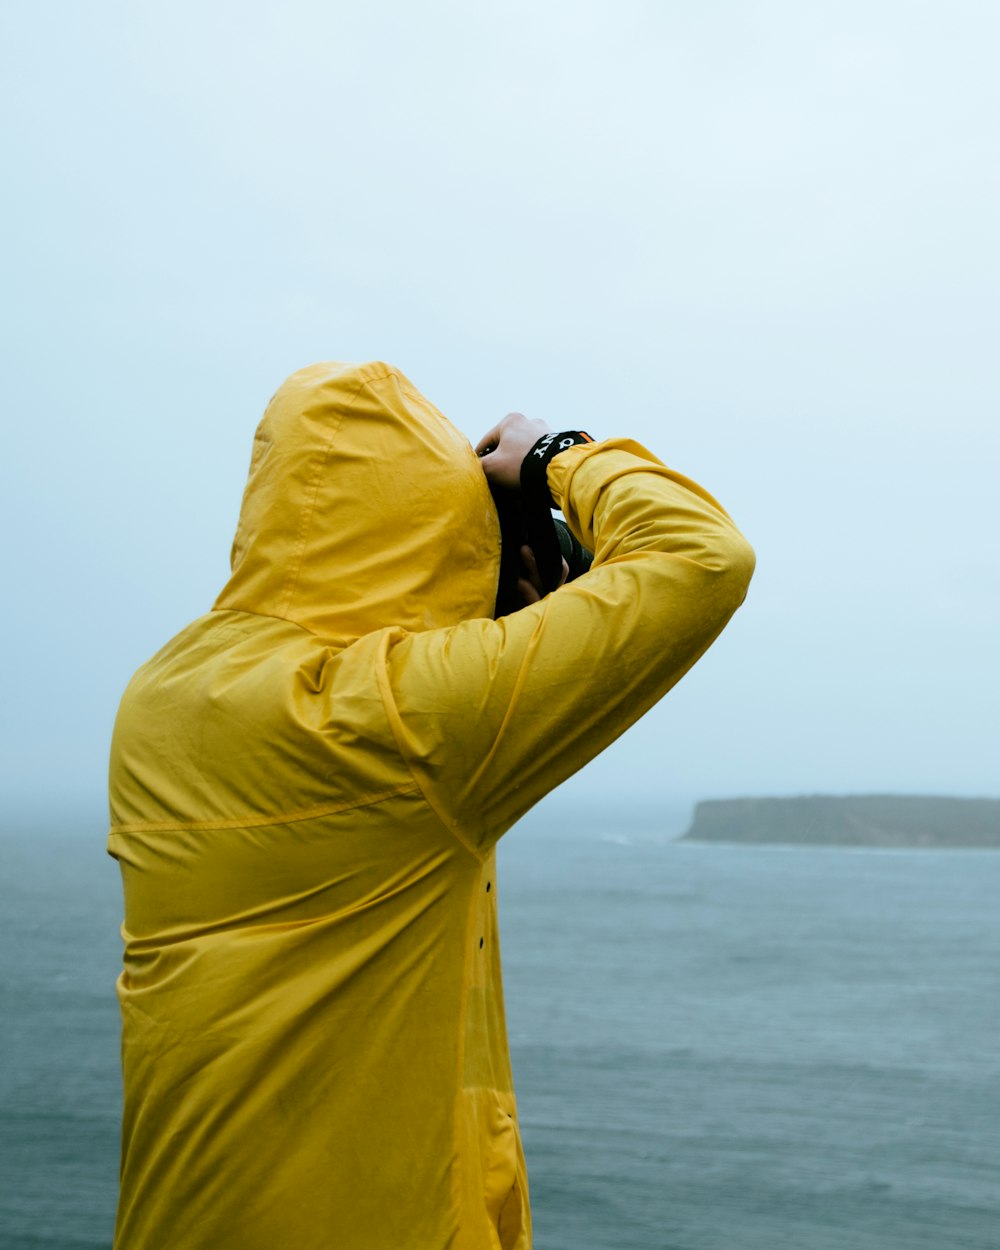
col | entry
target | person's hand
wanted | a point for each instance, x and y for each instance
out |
(506, 445)
(529, 584)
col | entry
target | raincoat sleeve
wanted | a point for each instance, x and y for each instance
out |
(492, 715)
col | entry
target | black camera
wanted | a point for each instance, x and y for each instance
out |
(528, 522)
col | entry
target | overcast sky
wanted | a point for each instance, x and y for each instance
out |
(760, 238)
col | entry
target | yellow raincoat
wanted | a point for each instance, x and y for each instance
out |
(307, 787)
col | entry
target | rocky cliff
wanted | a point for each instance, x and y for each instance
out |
(854, 820)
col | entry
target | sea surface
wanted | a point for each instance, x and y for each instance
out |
(715, 1048)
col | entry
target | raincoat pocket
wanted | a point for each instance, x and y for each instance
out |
(504, 1188)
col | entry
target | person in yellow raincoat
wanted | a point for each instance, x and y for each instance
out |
(307, 787)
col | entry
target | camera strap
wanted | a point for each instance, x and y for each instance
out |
(526, 520)
(534, 482)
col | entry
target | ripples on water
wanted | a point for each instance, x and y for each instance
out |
(715, 1048)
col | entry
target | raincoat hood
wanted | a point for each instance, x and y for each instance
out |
(364, 508)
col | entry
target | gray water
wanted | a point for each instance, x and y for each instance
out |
(715, 1048)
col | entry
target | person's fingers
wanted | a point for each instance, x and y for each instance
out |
(496, 456)
(488, 443)
(529, 584)
(503, 448)
(530, 567)
(527, 591)
(493, 440)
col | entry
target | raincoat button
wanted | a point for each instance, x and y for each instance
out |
(488, 884)
(480, 943)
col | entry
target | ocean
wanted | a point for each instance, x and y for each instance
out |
(715, 1047)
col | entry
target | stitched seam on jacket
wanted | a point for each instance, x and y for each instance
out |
(395, 725)
(276, 818)
(287, 593)
(291, 583)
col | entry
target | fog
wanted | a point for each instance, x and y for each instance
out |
(760, 239)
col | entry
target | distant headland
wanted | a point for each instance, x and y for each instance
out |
(900, 820)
